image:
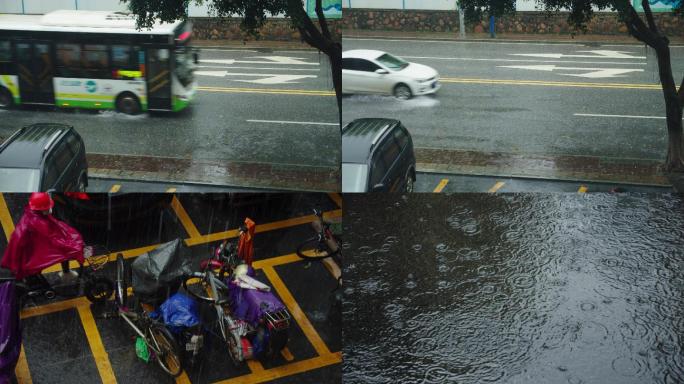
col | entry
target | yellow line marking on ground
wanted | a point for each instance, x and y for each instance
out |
(287, 354)
(99, 353)
(496, 187)
(551, 83)
(286, 370)
(262, 228)
(336, 197)
(255, 366)
(115, 188)
(184, 218)
(6, 218)
(332, 267)
(440, 187)
(22, 370)
(171, 190)
(183, 379)
(296, 312)
(127, 254)
(303, 92)
(582, 189)
(55, 307)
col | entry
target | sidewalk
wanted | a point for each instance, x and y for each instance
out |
(501, 37)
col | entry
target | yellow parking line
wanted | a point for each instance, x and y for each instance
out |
(287, 354)
(440, 187)
(496, 187)
(183, 379)
(6, 218)
(286, 370)
(184, 218)
(99, 353)
(22, 370)
(55, 307)
(115, 188)
(336, 198)
(582, 189)
(296, 312)
(255, 366)
(332, 267)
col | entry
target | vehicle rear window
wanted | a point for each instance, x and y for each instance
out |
(378, 170)
(401, 137)
(366, 66)
(390, 151)
(50, 175)
(62, 156)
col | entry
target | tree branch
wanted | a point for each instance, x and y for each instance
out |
(321, 19)
(649, 16)
(638, 29)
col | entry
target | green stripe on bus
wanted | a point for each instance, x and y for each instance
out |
(179, 104)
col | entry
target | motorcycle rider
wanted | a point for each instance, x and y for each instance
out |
(39, 239)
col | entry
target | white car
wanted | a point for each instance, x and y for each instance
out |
(370, 71)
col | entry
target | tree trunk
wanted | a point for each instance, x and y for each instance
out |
(336, 67)
(673, 111)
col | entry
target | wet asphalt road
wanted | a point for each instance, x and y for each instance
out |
(127, 186)
(514, 288)
(218, 128)
(485, 107)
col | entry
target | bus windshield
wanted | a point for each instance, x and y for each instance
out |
(184, 64)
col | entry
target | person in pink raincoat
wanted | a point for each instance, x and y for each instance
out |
(39, 240)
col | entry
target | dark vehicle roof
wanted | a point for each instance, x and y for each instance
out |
(359, 137)
(26, 147)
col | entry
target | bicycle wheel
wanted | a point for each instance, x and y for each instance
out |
(98, 289)
(122, 273)
(198, 287)
(313, 249)
(169, 357)
(234, 349)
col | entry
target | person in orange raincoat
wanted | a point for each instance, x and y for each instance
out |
(39, 240)
(246, 243)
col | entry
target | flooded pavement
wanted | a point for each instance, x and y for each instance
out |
(514, 288)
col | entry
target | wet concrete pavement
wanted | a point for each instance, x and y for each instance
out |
(89, 348)
(515, 288)
(244, 116)
(508, 101)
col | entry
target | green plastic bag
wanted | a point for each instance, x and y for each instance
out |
(141, 349)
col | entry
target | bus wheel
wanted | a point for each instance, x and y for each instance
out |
(5, 98)
(127, 103)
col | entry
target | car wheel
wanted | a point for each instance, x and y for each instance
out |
(402, 92)
(5, 98)
(409, 183)
(128, 104)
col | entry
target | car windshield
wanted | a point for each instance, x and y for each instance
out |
(354, 177)
(19, 179)
(392, 62)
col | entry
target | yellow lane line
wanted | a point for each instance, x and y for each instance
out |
(115, 188)
(6, 218)
(255, 366)
(287, 354)
(99, 353)
(440, 187)
(304, 92)
(22, 370)
(582, 189)
(183, 379)
(286, 370)
(332, 267)
(336, 197)
(296, 312)
(496, 187)
(262, 228)
(171, 190)
(551, 83)
(184, 218)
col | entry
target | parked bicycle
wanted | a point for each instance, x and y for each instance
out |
(155, 341)
(252, 322)
(324, 244)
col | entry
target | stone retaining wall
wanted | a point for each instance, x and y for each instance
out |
(210, 28)
(603, 23)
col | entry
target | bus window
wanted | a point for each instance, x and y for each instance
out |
(121, 56)
(95, 61)
(68, 60)
(5, 58)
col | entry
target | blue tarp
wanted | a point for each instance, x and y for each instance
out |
(178, 312)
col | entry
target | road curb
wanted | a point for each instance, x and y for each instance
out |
(542, 178)
(499, 40)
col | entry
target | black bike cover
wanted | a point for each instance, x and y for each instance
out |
(160, 271)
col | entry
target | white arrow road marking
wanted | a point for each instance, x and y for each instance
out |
(602, 54)
(594, 74)
(624, 116)
(267, 78)
(268, 60)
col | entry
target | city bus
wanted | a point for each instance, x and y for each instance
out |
(95, 59)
